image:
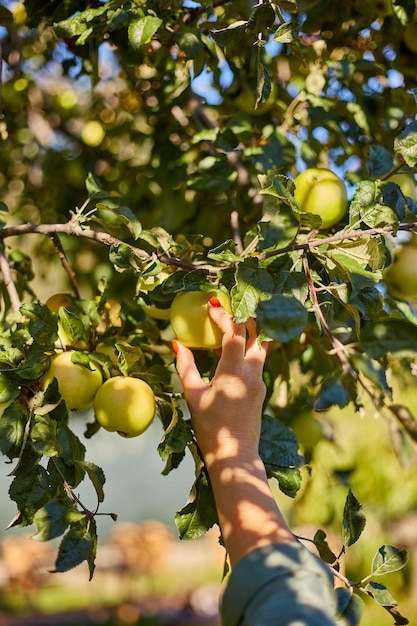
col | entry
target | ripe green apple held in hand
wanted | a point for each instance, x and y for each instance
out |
(76, 383)
(401, 275)
(126, 405)
(321, 192)
(191, 321)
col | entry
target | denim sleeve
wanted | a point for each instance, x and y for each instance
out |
(281, 584)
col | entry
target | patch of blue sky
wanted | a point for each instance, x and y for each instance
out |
(203, 85)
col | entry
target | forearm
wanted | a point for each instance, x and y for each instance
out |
(248, 514)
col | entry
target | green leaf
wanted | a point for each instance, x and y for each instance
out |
(372, 370)
(71, 452)
(174, 441)
(190, 43)
(9, 390)
(404, 10)
(354, 520)
(288, 5)
(363, 256)
(380, 593)
(350, 607)
(51, 520)
(141, 31)
(30, 490)
(78, 545)
(379, 161)
(35, 363)
(287, 32)
(126, 215)
(253, 285)
(231, 34)
(224, 252)
(6, 16)
(392, 335)
(293, 284)
(278, 449)
(96, 475)
(368, 206)
(388, 559)
(43, 436)
(405, 144)
(42, 323)
(263, 85)
(123, 257)
(282, 317)
(12, 429)
(75, 325)
(199, 514)
(332, 393)
(261, 18)
(323, 547)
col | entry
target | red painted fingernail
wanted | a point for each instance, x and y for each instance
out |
(218, 351)
(174, 344)
(214, 301)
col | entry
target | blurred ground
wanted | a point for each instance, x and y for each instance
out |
(143, 570)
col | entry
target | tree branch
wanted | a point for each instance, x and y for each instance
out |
(8, 279)
(342, 236)
(74, 229)
(65, 264)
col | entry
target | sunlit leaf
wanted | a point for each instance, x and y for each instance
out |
(388, 559)
(142, 30)
(405, 144)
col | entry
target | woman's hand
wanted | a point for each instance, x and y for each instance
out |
(226, 413)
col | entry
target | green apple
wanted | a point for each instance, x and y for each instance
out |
(125, 405)
(191, 321)
(149, 283)
(77, 384)
(320, 191)
(401, 276)
(308, 429)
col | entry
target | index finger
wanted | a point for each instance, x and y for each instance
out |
(234, 335)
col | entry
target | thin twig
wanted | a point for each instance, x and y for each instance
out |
(65, 264)
(8, 279)
(338, 347)
(234, 223)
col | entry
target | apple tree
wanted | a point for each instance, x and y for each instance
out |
(152, 148)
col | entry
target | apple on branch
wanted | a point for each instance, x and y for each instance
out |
(76, 384)
(401, 275)
(125, 405)
(321, 192)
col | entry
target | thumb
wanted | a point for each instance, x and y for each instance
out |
(187, 369)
